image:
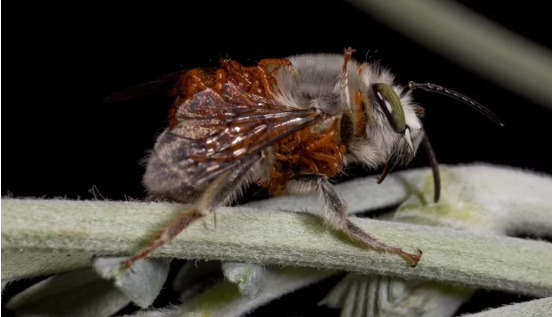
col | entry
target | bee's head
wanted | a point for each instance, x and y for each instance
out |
(386, 128)
(391, 129)
(397, 116)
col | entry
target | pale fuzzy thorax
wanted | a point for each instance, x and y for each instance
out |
(315, 81)
(312, 81)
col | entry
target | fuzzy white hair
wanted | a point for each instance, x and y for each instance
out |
(314, 81)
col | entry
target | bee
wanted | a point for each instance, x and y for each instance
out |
(289, 125)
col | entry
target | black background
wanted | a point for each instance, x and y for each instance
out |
(59, 138)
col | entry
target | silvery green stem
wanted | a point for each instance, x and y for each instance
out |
(38, 235)
(537, 308)
(268, 237)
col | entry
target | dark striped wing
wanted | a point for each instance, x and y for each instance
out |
(215, 131)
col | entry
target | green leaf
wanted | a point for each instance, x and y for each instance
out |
(141, 284)
(79, 293)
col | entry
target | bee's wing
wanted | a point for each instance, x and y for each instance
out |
(160, 87)
(215, 131)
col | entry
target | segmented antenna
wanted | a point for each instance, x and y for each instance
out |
(455, 95)
(434, 168)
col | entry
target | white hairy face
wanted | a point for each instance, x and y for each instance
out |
(383, 143)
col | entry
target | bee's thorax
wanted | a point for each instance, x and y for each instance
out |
(316, 150)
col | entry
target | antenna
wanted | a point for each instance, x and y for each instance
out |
(455, 95)
(434, 168)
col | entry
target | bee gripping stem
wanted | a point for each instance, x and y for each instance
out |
(357, 234)
(167, 234)
(410, 258)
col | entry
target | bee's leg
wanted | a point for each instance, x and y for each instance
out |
(170, 231)
(344, 78)
(347, 53)
(217, 193)
(335, 215)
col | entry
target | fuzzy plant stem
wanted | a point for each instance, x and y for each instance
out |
(42, 236)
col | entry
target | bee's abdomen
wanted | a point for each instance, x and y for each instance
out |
(255, 80)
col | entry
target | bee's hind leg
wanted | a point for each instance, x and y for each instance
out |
(217, 193)
(335, 215)
(170, 231)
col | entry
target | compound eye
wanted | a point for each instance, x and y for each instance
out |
(390, 103)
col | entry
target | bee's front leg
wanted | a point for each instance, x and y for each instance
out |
(335, 215)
